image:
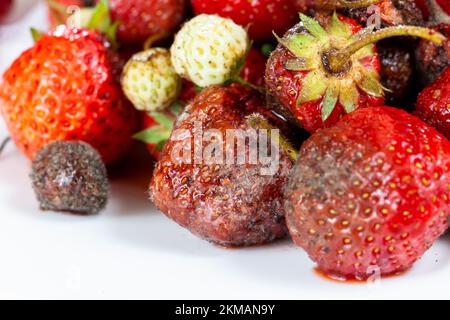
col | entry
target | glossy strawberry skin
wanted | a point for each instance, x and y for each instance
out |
(262, 16)
(227, 204)
(65, 88)
(370, 194)
(433, 104)
(141, 19)
(285, 86)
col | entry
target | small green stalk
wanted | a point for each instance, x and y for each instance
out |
(338, 60)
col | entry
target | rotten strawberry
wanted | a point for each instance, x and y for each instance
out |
(370, 195)
(233, 202)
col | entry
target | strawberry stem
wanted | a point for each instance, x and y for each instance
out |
(356, 3)
(248, 84)
(148, 44)
(339, 59)
(256, 121)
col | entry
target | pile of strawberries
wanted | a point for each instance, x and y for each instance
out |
(361, 186)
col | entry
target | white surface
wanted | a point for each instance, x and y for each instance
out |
(133, 251)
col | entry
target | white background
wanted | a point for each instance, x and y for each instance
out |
(131, 251)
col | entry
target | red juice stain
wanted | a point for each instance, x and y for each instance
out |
(353, 280)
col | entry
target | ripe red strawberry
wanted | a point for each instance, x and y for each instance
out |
(433, 104)
(254, 68)
(262, 16)
(66, 88)
(228, 204)
(423, 5)
(370, 194)
(142, 19)
(320, 73)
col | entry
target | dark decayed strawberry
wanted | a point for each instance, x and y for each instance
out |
(66, 88)
(391, 13)
(262, 16)
(433, 104)
(397, 70)
(370, 195)
(433, 59)
(142, 19)
(228, 203)
(320, 73)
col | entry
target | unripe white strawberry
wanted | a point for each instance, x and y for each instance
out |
(209, 49)
(150, 81)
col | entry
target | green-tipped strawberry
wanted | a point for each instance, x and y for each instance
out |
(149, 80)
(319, 73)
(209, 50)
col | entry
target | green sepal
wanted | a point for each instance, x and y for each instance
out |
(101, 21)
(301, 45)
(369, 83)
(349, 95)
(36, 34)
(330, 99)
(314, 27)
(300, 64)
(314, 87)
(339, 28)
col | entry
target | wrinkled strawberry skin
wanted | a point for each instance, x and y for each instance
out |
(227, 204)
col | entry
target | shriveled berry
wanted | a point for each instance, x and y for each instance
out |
(70, 177)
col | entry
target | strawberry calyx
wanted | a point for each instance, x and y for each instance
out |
(158, 134)
(337, 62)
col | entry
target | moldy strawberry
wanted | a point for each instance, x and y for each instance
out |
(370, 194)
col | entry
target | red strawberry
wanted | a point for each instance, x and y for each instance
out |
(228, 204)
(66, 88)
(142, 19)
(433, 104)
(262, 16)
(445, 5)
(370, 194)
(254, 68)
(320, 73)
(424, 7)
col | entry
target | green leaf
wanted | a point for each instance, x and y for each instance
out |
(339, 28)
(330, 99)
(154, 135)
(314, 27)
(349, 95)
(163, 119)
(100, 19)
(314, 86)
(267, 49)
(36, 34)
(176, 108)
